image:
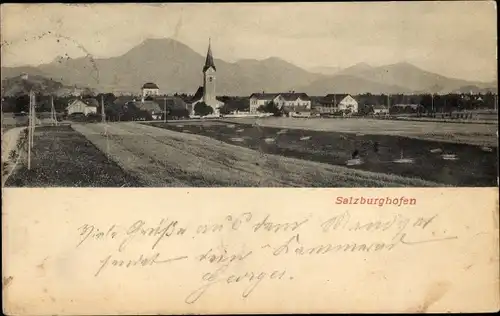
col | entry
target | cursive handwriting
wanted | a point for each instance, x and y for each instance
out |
(221, 276)
(90, 231)
(254, 239)
(141, 261)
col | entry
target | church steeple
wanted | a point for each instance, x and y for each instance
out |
(209, 62)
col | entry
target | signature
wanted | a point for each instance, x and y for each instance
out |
(222, 276)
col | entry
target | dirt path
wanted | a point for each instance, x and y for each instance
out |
(10, 154)
(161, 157)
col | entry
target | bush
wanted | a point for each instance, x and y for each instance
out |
(202, 109)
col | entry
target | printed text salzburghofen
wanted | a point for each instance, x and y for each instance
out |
(379, 201)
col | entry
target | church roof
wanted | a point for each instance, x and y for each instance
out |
(150, 85)
(198, 95)
(209, 62)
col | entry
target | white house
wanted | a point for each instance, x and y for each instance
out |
(291, 102)
(338, 102)
(85, 107)
(150, 89)
(260, 99)
(380, 109)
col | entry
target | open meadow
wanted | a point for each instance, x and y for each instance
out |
(472, 166)
(62, 157)
(472, 134)
(271, 152)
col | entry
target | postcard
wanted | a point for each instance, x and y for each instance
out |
(233, 158)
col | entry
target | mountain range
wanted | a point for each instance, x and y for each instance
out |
(175, 67)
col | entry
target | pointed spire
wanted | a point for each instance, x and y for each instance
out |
(209, 62)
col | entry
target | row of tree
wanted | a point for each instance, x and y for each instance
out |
(429, 103)
(433, 103)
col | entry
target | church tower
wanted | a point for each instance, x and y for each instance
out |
(209, 71)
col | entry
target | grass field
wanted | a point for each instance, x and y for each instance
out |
(160, 157)
(222, 154)
(474, 166)
(62, 157)
(472, 134)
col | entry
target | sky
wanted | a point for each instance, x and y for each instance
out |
(452, 38)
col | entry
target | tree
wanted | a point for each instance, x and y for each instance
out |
(225, 109)
(202, 109)
(22, 103)
(272, 108)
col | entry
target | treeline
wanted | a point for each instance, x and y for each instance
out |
(432, 103)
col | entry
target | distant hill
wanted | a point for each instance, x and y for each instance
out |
(16, 85)
(411, 77)
(355, 70)
(175, 67)
(351, 85)
(325, 70)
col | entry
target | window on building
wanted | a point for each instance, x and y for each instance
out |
(210, 79)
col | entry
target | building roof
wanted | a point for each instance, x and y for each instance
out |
(175, 103)
(198, 95)
(124, 99)
(335, 97)
(150, 85)
(88, 102)
(264, 96)
(150, 106)
(288, 96)
(91, 102)
(209, 62)
(292, 96)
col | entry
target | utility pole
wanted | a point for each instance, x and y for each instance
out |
(103, 115)
(53, 111)
(165, 110)
(432, 102)
(33, 120)
(29, 130)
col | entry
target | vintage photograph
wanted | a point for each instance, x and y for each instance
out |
(249, 95)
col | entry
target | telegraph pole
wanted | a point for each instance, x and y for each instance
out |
(33, 119)
(165, 110)
(29, 131)
(103, 115)
(53, 110)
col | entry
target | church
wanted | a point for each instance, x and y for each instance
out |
(206, 93)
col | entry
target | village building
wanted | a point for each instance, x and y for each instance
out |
(207, 92)
(152, 107)
(85, 106)
(406, 107)
(332, 103)
(149, 89)
(380, 109)
(260, 99)
(291, 102)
